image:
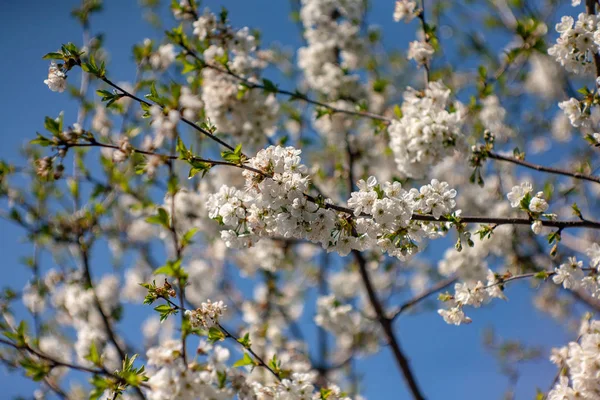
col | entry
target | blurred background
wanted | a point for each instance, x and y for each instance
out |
(449, 362)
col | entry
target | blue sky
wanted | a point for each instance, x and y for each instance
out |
(448, 361)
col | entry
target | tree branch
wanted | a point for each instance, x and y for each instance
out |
(386, 325)
(541, 168)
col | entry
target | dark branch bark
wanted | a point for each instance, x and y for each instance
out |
(386, 325)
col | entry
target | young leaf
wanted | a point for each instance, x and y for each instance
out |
(246, 360)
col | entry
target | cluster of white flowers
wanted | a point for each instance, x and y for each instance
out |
(76, 306)
(571, 274)
(580, 361)
(427, 131)
(334, 44)
(163, 57)
(521, 197)
(190, 103)
(391, 207)
(207, 315)
(300, 386)
(492, 117)
(275, 205)
(577, 44)
(404, 10)
(473, 294)
(544, 70)
(578, 114)
(234, 109)
(164, 121)
(57, 79)
(164, 124)
(170, 378)
(206, 24)
(347, 324)
(420, 51)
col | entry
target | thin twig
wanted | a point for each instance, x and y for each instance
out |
(432, 290)
(294, 95)
(541, 168)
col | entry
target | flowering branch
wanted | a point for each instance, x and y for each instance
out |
(24, 346)
(560, 224)
(245, 344)
(293, 95)
(185, 120)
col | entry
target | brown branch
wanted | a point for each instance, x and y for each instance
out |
(541, 168)
(386, 325)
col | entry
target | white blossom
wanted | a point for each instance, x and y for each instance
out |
(57, 79)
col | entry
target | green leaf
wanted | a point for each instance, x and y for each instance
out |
(245, 341)
(54, 56)
(542, 275)
(165, 311)
(269, 86)
(199, 166)
(186, 239)
(184, 153)
(41, 140)
(53, 125)
(153, 96)
(235, 156)
(274, 363)
(162, 218)
(215, 334)
(246, 360)
(94, 356)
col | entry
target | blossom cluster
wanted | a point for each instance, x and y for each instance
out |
(580, 361)
(57, 79)
(521, 197)
(275, 204)
(204, 378)
(207, 315)
(347, 325)
(332, 33)
(571, 274)
(577, 44)
(473, 294)
(248, 114)
(428, 131)
(404, 10)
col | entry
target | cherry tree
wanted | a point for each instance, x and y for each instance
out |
(234, 203)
